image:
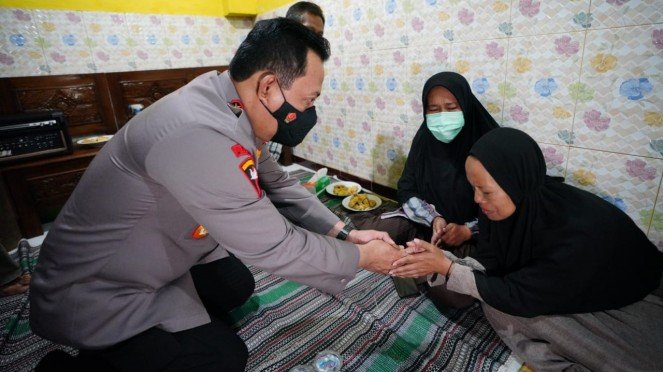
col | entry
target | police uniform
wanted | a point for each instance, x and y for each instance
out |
(183, 183)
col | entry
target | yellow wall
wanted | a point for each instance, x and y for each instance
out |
(192, 7)
(267, 5)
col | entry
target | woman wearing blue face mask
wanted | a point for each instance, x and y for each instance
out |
(433, 189)
(433, 183)
(437, 201)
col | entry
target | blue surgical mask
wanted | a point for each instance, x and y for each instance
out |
(445, 126)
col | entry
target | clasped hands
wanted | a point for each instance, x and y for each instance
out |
(379, 253)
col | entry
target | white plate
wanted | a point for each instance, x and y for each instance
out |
(346, 202)
(94, 140)
(348, 184)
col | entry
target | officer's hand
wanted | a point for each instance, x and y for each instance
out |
(454, 234)
(365, 236)
(378, 256)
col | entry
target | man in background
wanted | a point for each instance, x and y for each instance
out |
(311, 16)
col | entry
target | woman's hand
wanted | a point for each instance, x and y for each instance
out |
(439, 224)
(423, 259)
(455, 235)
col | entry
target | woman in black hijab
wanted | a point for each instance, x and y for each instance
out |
(564, 277)
(433, 188)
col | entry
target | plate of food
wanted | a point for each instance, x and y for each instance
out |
(94, 140)
(362, 202)
(343, 188)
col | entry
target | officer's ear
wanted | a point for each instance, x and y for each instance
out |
(266, 83)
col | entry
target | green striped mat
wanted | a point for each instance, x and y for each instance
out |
(285, 324)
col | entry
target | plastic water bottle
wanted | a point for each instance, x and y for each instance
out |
(328, 361)
(24, 256)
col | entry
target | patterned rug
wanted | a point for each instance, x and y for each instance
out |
(20, 349)
(286, 324)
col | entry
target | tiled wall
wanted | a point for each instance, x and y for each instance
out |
(49, 42)
(584, 78)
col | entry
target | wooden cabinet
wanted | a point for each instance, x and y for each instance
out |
(39, 189)
(36, 190)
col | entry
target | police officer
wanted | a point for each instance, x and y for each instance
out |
(148, 253)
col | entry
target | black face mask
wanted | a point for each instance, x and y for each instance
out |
(293, 125)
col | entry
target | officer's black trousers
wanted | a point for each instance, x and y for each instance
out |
(222, 285)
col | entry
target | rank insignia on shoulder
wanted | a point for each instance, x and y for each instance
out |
(258, 153)
(248, 167)
(290, 117)
(239, 150)
(199, 232)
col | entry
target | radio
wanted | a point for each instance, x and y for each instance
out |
(33, 134)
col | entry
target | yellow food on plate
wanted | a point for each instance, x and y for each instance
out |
(361, 202)
(342, 190)
(93, 140)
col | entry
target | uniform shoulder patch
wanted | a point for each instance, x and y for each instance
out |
(239, 150)
(248, 167)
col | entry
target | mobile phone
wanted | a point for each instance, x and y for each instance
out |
(405, 287)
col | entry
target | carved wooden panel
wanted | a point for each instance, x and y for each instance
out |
(146, 87)
(40, 188)
(92, 103)
(84, 99)
(54, 187)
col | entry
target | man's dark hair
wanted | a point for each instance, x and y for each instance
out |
(297, 11)
(278, 45)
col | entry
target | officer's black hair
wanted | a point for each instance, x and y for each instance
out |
(298, 9)
(280, 46)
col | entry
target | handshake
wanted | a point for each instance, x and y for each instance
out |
(380, 254)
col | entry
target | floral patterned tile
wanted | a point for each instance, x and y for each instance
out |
(556, 157)
(388, 78)
(483, 64)
(64, 41)
(21, 46)
(537, 17)
(146, 32)
(541, 72)
(389, 154)
(318, 138)
(432, 25)
(359, 156)
(618, 13)
(629, 182)
(110, 41)
(356, 25)
(425, 61)
(619, 104)
(389, 32)
(656, 226)
(481, 20)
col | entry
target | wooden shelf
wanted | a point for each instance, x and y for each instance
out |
(92, 104)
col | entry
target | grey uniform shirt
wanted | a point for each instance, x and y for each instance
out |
(116, 260)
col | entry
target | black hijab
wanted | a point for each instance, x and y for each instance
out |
(435, 171)
(564, 250)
